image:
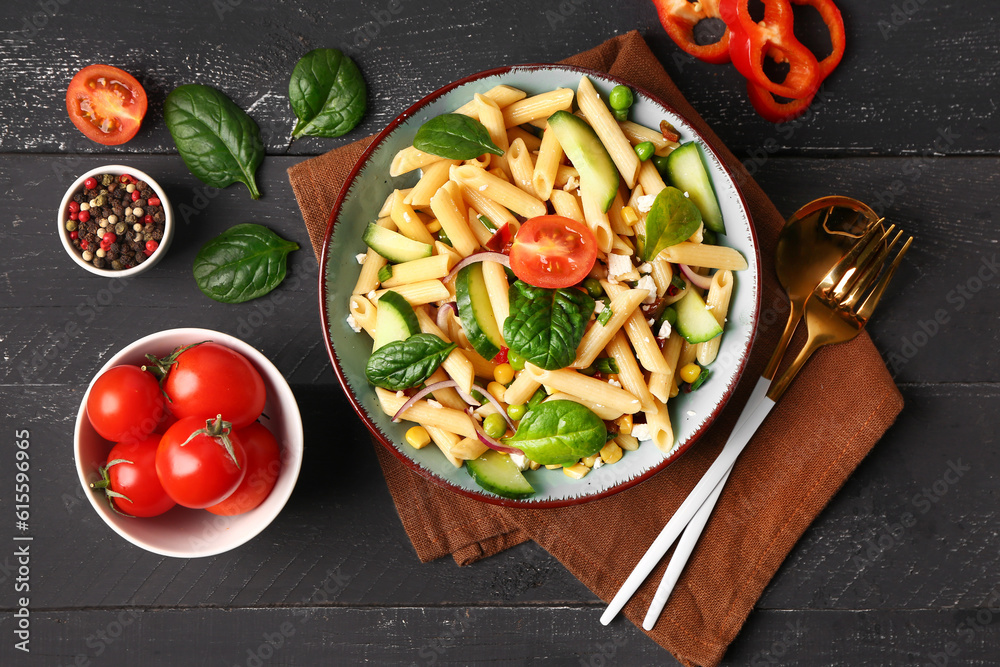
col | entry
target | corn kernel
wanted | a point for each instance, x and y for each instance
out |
(534, 465)
(624, 424)
(611, 452)
(629, 215)
(504, 374)
(627, 442)
(497, 390)
(434, 226)
(576, 471)
(417, 437)
(552, 467)
(690, 372)
(589, 461)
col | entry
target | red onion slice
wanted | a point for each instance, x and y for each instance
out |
(698, 280)
(442, 314)
(496, 404)
(429, 389)
(491, 442)
(497, 257)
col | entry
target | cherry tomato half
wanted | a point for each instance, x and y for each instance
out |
(263, 466)
(106, 104)
(131, 472)
(553, 251)
(125, 404)
(198, 471)
(210, 379)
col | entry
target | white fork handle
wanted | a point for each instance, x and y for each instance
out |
(734, 446)
(689, 539)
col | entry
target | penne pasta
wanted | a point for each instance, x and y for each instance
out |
(492, 119)
(660, 430)
(599, 335)
(717, 301)
(409, 159)
(500, 191)
(606, 127)
(550, 155)
(502, 95)
(457, 364)
(449, 209)
(434, 176)
(602, 411)
(426, 268)
(521, 167)
(537, 107)
(416, 294)
(628, 371)
(709, 256)
(584, 386)
(598, 222)
(453, 421)
(363, 312)
(497, 287)
(408, 222)
(566, 204)
(650, 179)
(521, 389)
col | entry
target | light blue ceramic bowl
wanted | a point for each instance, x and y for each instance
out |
(367, 187)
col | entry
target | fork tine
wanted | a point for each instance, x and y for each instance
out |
(865, 256)
(862, 279)
(869, 305)
(847, 262)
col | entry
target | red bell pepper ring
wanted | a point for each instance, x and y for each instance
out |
(679, 17)
(773, 37)
(777, 112)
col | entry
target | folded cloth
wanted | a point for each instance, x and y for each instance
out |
(800, 457)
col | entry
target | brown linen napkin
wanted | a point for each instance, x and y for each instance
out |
(803, 453)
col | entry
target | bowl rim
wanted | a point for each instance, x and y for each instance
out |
(291, 465)
(359, 409)
(168, 223)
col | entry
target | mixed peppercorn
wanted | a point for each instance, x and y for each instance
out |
(115, 222)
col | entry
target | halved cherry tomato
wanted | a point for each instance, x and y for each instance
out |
(125, 404)
(200, 462)
(106, 104)
(263, 466)
(552, 251)
(130, 482)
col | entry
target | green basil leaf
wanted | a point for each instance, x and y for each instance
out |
(545, 325)
(559, 433)
(455, 137)
(242, 263)
(673, 218)
(327, 94)
(404, 364)
(218, 142)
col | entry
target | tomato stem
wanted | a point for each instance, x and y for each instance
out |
(104, 484)
(160, 366)
(219, 430)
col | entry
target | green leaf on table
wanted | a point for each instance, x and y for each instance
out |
(673, 218)
(327, 94)
(242, 263)
(218, 141)
(456, 137)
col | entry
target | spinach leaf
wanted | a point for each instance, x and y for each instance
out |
(404, 364)
(545, 325)
(673, 218)
(559, 433)
(327, 94)
(219, 143)
(456, 137)
(242, 263)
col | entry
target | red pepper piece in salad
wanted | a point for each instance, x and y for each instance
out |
(773, 37)
(679, 18)
(777, 112)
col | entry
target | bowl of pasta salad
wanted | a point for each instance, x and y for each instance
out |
(539, 286)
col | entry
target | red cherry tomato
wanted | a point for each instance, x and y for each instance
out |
(199, 471)
(263, 466)
(125, 404)
(210, 379)
(130, 482)
(106, 104)
(553, 251)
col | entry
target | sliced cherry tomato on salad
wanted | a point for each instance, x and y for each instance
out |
(200, 462)
(125, 404)
(263, 466)
(106, 104)
(552, 251)
(207, 379)
(129, 479)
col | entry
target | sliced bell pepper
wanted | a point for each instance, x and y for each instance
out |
(750, 42)
(679, 17)
(777, 112)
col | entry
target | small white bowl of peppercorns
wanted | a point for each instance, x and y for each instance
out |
(115, 221)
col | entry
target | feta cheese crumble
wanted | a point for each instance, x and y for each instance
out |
(360, 257)
(647, 283)
(645, 267)
(665, 330)
(644, 203)
(614, 383)
(351, 322)
(619, 265)
(520, 460)
(434, 404)
(641, 432)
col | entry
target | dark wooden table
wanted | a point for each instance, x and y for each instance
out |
(902, 568)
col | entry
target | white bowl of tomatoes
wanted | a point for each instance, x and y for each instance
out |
(188, 442)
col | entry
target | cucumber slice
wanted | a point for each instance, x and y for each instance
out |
(496, 473)
(476, 312)
(687, 172)
(394, 246)
(395, 320)
(598, 173)
(696, 323)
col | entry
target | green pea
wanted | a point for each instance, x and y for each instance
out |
(517, 412)
(515, 360)
(495, 425)
(645, 150)
(660, 162)
(621, 97)
(620, 114)
(593, 287)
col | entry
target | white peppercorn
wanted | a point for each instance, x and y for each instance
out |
(87, 255)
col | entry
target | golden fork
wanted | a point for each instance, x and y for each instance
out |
(832, 315)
